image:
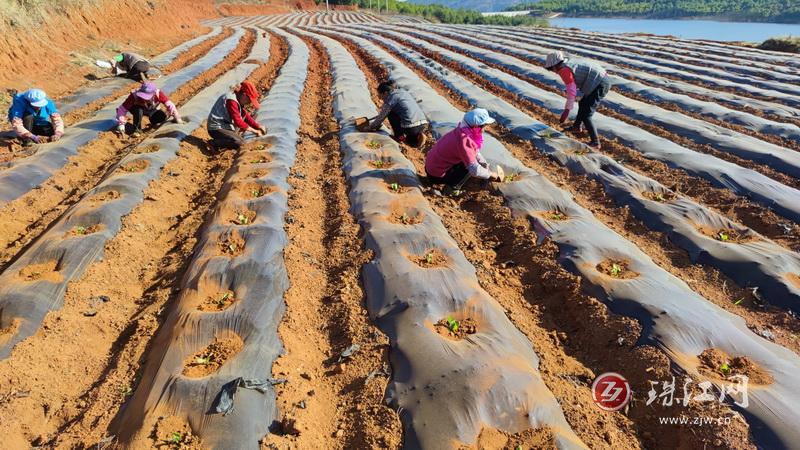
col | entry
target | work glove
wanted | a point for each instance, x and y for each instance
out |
(36, 139)
(564, 116)
(121, 129)
(56, 137)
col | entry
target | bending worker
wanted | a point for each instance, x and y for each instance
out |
(34, 117)
(231, 117)
(405, 116)
(456, 156)
(593, 83)
(133, 65)
(145, 101)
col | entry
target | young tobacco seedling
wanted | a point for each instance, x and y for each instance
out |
(404, 219)
(452, 324)
(80, 230)
(175, 438)
(225, 298)
(725, 369)
(202, 360)
(429, 258)
(242, 219)
(373, 144)
(557, 216)
(723, 236)
(394, 186)
(616, 270)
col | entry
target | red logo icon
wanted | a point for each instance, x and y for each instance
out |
(611, 391)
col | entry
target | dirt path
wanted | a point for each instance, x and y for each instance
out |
(28, 216)
(736, 208)
(81, 366)
(546, 303)
(327, 403)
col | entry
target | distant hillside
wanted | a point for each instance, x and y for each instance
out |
(478, 5)
(786, 11)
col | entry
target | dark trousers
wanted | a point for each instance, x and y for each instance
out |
(226, 139)
(45, 129)
(455, 177)
(414, 136)
(587, 107)
(135, 73)
(156, 116)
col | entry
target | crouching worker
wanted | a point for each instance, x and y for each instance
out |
(130, 65)
(591, 79)
(456, 156)
(231, 117)
(142, 102)
(34, 118)
(405, 116)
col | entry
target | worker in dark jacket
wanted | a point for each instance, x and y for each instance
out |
(405, 116)
(588, 77)
(231, 117)
(35, 118)
(130, 65)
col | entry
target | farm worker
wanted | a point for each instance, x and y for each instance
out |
(405, 116)
(456, 156)
(34, 117)
(145, 101)
(591, 79)
(231, 117)
(135, 66)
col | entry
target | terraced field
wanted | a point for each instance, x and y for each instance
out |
(302, 292)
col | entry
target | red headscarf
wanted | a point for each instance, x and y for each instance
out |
(248, 89)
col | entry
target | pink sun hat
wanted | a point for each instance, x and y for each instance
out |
(146, 91)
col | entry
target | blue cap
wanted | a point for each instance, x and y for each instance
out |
(478, 117)
(36, 97)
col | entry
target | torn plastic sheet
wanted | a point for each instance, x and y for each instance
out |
(783, 199)
(257, 279)
(25, 174)
(223, 404)
(24, 302)
(673, 317)
(433, 384)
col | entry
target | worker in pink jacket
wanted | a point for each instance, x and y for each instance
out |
(145, 101)
(456, 156)
(592, 81)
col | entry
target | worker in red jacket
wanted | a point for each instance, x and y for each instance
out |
(142, 102)
(231, 117)
(588, 77)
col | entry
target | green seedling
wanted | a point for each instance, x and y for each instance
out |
(175, 438)
(233, 248)
(452, 324)
(259, 160)
(725, 369)
(616, 270)
(510, 178)
(738, 301)
(225, 298)
(125, 391)
(203, 361)
(429, 258)
(659, 197)
(395, 187)
(373, 144)
(80, 230)
(404, 219)
(723, 236)
(557, 216)
(378, 164)
(260, 147)
(241, 219)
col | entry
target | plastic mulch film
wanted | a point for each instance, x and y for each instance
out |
(673, 317)
(36, 282)
(703, 132)
(709, 237)
(785, 200)
(739, 65)
(28, 173)
(519, 47)
(745, 86)
(232, 293)
(108, 86)
(445, 390)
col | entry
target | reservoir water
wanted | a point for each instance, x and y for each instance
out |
(687, 29)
